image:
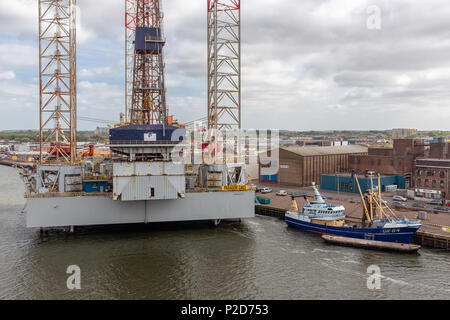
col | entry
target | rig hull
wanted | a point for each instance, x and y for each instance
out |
(92, 210)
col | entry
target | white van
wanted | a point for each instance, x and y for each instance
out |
(266, 190)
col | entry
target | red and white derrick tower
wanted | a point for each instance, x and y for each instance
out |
(144, 68)
(224, 65)
(57, 77)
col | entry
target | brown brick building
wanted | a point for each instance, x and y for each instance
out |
(431, 178)
(431, 173)
(439, 150)
(386, 165)
(301, 166)
(398, 160)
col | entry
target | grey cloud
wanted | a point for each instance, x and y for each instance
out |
(306, 64)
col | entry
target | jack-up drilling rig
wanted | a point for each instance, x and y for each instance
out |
(151, 176)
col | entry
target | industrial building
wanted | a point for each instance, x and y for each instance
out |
(301, 166)
(439, 149)
(431, 178)
(396, 160)
(345, 182)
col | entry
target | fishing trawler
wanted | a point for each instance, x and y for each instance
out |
(322, 218)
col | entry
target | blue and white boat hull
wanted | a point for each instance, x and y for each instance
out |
(400, 234)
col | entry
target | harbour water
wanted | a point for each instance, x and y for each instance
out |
(258, 259)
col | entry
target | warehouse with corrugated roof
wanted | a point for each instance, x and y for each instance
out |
(301, 166)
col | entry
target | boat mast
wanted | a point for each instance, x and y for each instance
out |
(380, 203)
(366, 211)
(317, 194)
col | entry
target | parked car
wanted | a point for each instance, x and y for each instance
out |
(399, 198)
(418, 205)
(441, 209)
(448, 203)
(398, 204)
(266, 190)
(258, 189)
(436, 202)
(282, 193)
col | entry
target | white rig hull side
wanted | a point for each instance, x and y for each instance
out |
(102, 210)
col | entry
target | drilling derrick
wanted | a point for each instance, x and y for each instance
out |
(57, 65)
(224, 65)
(146, 101)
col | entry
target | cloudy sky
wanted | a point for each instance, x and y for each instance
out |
(306, 65)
